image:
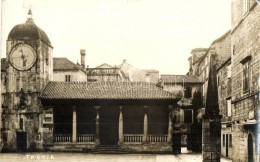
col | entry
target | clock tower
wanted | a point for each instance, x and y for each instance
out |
(30, 67)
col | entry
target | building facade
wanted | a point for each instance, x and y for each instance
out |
(29, 67)
(48, 105)
(245, 79)
(185, 125)
(106, 73)
(115, 116)
(66, 71)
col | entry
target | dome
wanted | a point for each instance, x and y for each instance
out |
(28, 30)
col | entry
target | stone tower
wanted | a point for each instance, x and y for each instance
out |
(30, 67)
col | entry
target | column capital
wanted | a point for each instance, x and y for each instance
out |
(97, 107)
(120, 107)
(170, 107)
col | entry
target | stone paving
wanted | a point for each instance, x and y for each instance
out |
(82, 157)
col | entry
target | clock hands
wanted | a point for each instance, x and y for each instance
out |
(23, 58)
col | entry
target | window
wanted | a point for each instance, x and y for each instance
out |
(223, 140)
(203, 90)
(218, 79)
(229, 71)
(21, 123)
(228, 107)
(246, 76)
(188, 116)
(67, 78)
(230, 140)
(5, 137)
(233, 50)
(246, 6)
(207, 71)
(188, 92)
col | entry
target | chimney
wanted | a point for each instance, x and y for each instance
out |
(82, 60)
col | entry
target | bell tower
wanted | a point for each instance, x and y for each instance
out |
(29, 68)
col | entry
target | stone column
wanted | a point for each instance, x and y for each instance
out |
(169, 137)
(145, 137)
(97, 125)
(74, 124)
(211, 141)
(211, 126)
(120, 127)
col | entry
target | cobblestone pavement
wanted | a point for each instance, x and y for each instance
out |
(82, 157)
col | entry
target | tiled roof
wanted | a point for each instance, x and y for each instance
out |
(104, 90)
(180, 79)
(60, 64)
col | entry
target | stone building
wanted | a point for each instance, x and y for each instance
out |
(224, 89)
(100, 116)
(220, 49)
(188, 88)
(66, 71)
(47, 103)
(123, 72)
(106, 72)
(245, 66)
(135, 74)
(196, 55)
(29, 67)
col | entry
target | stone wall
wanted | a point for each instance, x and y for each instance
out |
(245, 43)
(22, 107)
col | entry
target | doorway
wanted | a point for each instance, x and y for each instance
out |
(227, 143)
(109, 118)
(250, 148)
(21, 141)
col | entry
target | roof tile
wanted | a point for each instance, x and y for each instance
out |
(104, 90)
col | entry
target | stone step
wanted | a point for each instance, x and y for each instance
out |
(108, 150)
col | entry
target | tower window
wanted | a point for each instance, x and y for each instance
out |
(246, 77)
(228, 107)
(246, 73)
(67, 78)
(21, 123)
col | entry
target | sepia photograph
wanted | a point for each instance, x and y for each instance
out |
(130, 81)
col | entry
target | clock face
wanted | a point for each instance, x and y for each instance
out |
(22, 57)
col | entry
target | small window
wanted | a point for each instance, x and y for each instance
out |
(67, 78)
(228, 107)
(21, 123)
(229, 71)
(230, 140)
(233, 50)
(246, 77)
(188, 92)
(218, 80)
(224, 140)
(246, 6)
(188, 116)
(5, 137)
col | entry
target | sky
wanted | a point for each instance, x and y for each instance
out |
(148, 34)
